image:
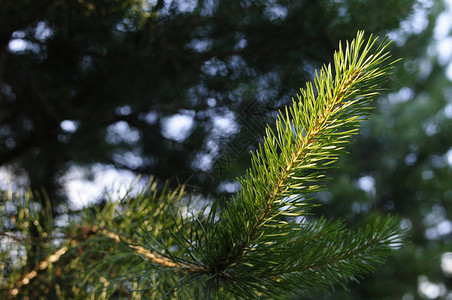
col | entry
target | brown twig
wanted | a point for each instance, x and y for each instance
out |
(87, 232)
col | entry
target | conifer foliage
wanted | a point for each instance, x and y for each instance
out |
(262, 243)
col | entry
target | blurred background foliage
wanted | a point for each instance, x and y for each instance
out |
(183, 89)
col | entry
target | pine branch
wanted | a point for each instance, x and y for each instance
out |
(84, 241)
(264, 241)
(287, 168)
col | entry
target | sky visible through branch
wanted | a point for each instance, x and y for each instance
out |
(178, 127)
